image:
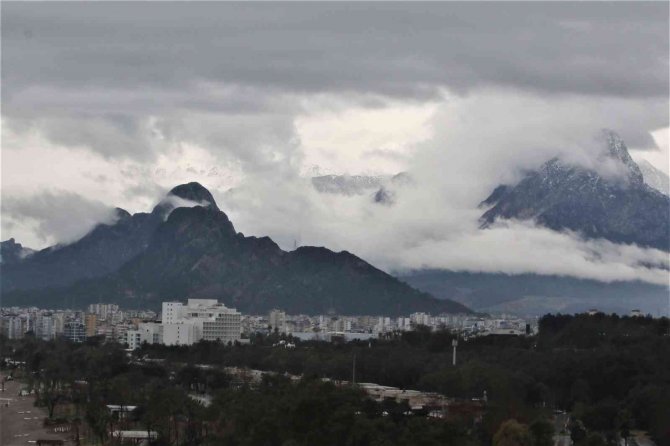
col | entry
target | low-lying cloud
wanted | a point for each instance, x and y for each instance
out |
(252, 99)
(53, 216)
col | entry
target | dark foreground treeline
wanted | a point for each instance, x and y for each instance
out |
(611, 374)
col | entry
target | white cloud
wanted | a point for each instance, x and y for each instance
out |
(339, 138)
(477, 143)
(660, 157)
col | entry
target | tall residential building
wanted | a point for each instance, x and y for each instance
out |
(172, 311)
(277, 321)
(44, 327)
(59, 323)
(75, 331)
(199, 319)
(91, 325)
(13, 326)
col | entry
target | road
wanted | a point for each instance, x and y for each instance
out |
(640, 439)
(21, 423)
(562, 435)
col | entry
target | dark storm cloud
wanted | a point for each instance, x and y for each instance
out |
(407, 50)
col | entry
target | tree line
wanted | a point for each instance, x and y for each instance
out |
(610, 374)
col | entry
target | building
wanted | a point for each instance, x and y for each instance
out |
(103, 311)
(91, 325)
(12, 326)
(75, 331)
(277, 321)
(199, 319)
(421, 319)
(172, 311)
(181, 333)
(133, 339)
(149, 332)
(59, 323)
(44, 327)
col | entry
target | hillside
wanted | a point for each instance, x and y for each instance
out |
(196, 252)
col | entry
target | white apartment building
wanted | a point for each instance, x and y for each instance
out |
(421, 319)
(149, 332)
(277, 321)
(103, 311)
(383, 325)
(45, 327)
(13, 327)
(199, 319)
(404, 323)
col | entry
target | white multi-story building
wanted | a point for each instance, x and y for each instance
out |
(403, 323)
(103, 311)
(383, 325)
(181, 333)
(149, 332)
(13, 326)
(277, 321)
(421, 319)
(59, 323)
(45, 327)
(172, 311)
(199, 319)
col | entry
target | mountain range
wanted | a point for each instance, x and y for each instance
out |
(630, 206)
(621, 208)
(535, 294)
(187, 247)
(380, 188)
(12, 252)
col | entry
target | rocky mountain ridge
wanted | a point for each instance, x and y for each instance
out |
(620, 208)
(195, 252)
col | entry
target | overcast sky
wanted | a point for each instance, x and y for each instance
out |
(112, 104)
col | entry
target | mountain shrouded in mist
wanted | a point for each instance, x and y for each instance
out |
(12, 252)
(620, 208)
(176, 252)
(102, 251)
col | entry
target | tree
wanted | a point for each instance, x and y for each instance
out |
(577, 431)
(624, 423)
(97, 417)
(541, 432)
(51, 384)
(593, 439)
(512, 433)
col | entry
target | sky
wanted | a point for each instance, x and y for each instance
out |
(113, 104)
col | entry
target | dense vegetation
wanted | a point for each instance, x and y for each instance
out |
(611, 374)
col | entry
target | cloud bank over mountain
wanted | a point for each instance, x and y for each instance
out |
(254, 100)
